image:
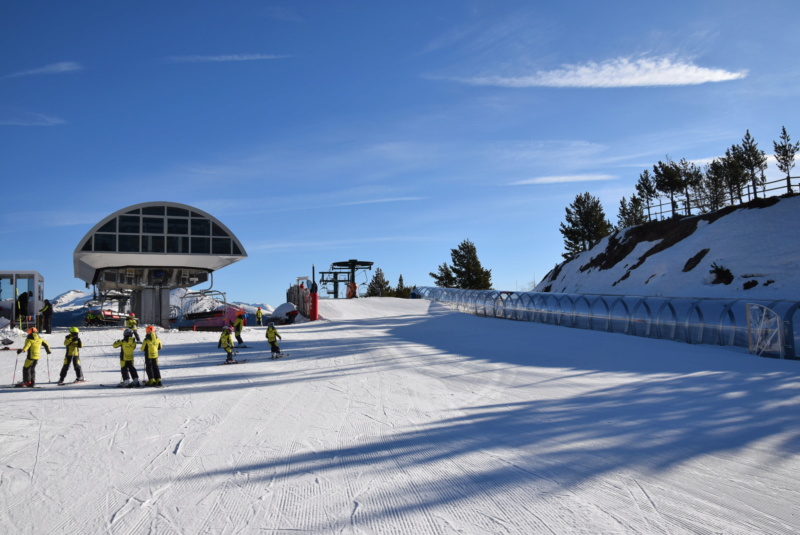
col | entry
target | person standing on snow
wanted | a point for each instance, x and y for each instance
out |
(226, 343)
(73, 343)
(150, 346)
(272, 338)
(238, 325)
(132, 323)
(22, 308)
(33, 345)
(259, 316)
(46, 313)
(128, 344)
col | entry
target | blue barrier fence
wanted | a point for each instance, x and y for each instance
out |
(694, 321)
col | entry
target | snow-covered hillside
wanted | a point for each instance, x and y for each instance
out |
(400, 416)
(758, 245)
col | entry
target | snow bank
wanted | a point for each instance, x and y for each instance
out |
(758, 245)
(370, 307)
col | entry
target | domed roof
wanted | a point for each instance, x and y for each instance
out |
(156, 235)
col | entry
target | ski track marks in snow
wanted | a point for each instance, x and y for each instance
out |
(401, 420)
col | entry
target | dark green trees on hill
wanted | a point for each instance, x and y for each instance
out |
(585, 225)
(379, 286)
(785, 151)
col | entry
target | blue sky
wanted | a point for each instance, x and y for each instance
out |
(320, 131)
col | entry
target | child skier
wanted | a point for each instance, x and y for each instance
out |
(33, 345)
(150, 346)
(226, 343)
(272, 338)
(128, 344)
(132, 324)
(238, 325)
(73, 343)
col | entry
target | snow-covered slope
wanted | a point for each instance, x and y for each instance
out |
(404, 417)
(758, 245)
(374, 307)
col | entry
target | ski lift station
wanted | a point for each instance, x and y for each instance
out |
(145, 250)
(12, 285)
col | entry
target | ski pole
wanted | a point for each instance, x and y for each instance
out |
(48, 368)
(14, 379)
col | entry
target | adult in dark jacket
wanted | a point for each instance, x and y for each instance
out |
(46, 314)
(21, 313)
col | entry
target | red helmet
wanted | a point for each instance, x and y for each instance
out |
(133, 315)
(150, 329)
(33, 330)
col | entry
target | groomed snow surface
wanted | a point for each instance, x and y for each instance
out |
(395, 416)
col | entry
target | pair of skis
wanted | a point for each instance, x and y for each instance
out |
(227, 362)
(141, 386)
(20, 385)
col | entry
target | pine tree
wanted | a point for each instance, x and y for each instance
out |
(784, 155)
(735, 174)
(444, 278)
(467, 273)
(401, 290)
(691, 176)
(754, 161)
(468, 270)
(631, 213)
(379, 286)
(668, 180)
(646, 188)
(586, 225)
(710, 192)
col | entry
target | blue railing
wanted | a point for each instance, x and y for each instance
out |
(693, 321)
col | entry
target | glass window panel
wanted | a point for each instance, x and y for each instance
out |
(129, 224)
(216, 230)
(177, 226)
(133, 211)
(236, 249)
(153, 225)
(201, 227)
(174, 210)
(195, 214)
(177, 244)
(152, 244)
(110, 226)
(221, 246)
(153, 210)
(201, 245)
(128, 244)
(88, 245)
(105, 242)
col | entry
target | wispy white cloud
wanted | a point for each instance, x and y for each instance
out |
(620, 72)
(223, 58)
(53, 68)
(26, 118)
(562, 179)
